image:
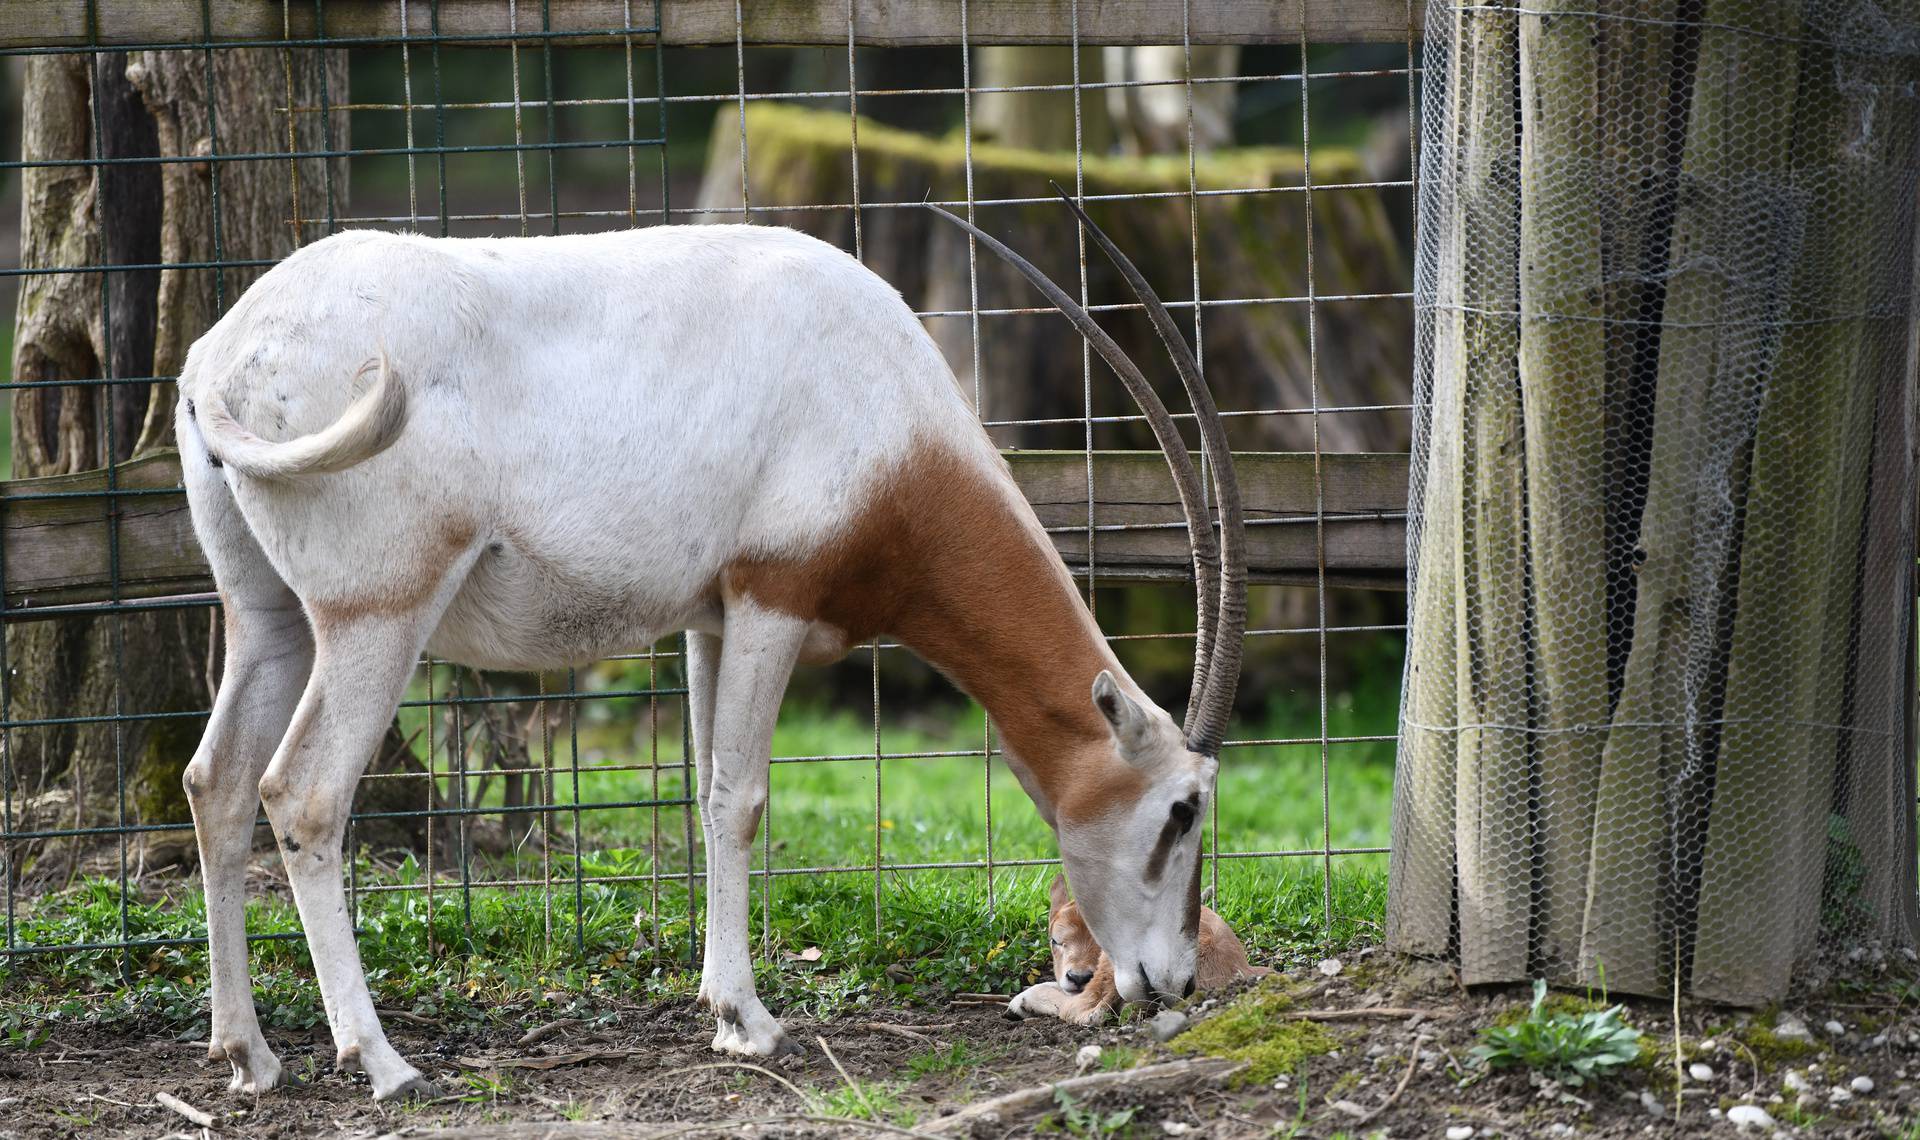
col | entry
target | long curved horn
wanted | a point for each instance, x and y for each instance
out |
(1225, 641)
(1206, 553)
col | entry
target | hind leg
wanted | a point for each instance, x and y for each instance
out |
(360, 670)
(269, 654)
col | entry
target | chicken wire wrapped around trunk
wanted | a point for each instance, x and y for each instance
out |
(1657, 708)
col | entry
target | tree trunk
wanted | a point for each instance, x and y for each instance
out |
(1039, 120)
(73, 328)
(1251, 246)
(1154, 119)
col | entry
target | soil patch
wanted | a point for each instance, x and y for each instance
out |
(1396, 1038)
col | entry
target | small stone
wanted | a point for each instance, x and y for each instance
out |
(1460, 1132)
(1806, 1102)
(1714, 1114)
(1168, 1024)
(1331, 967)
(1861, 1085)
(1086, 1058)
(1743, 1115)
(1899, 1074)
(1710, 1044)
(1175, 1127)
(1559, 1129)
(1652, 1104)
(1350, 1108)
(1793, 1029)
(1839, 1095)
(1700, 1072)
(1794, 1082)
(1834, 1028)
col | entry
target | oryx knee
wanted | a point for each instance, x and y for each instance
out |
(735, 804)
(303, 816)
(197, 779)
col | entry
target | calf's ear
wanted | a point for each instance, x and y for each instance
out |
(1057, 894)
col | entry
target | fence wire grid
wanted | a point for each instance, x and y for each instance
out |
(499, 782)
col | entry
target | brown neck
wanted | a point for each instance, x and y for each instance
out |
(991, 606)
(950, 560)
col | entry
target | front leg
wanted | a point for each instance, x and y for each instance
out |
(703, 677)
(1047, 999)
(1044, 1000)
(757, 653)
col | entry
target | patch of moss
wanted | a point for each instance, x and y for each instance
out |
(1769, 1048)
(771, 125)
(1253, 1029)
(1560, 1005)
(1655, 1065)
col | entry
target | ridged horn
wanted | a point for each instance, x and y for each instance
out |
(1218, 652)
(1213, 669)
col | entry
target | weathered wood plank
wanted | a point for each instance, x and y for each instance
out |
(54, 532)
(876, 23)
(56, 551)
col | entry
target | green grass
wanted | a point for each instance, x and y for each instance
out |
(468, 956)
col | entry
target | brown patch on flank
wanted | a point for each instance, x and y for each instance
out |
(405, 592)
(943, 560)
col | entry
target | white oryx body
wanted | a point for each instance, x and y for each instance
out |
(525, 454)
(600, 423)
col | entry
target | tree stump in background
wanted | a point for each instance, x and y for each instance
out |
(1251, 247)
(71, 327)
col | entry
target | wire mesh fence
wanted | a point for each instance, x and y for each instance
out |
(1657, 730)
(572, 789)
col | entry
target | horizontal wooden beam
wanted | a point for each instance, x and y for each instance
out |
(58, 548)
(875, 23)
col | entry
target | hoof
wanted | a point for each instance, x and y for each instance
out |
(415, 1088)
(787, 1047)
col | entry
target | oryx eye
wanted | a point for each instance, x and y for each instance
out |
(1184, 813)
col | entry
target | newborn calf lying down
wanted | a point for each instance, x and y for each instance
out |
(1082, 990)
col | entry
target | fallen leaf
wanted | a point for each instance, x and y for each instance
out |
(810, 954)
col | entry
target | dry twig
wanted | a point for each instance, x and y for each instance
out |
(169, 1101)
(1406, 1078)
(541, 1033)
(859, 1093)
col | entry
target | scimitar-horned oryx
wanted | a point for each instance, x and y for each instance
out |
(567, 447)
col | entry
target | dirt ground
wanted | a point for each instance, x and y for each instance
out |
(1400, 1035)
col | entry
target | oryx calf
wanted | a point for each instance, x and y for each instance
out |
(529, 454)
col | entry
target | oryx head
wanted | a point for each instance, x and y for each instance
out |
(1135, 863)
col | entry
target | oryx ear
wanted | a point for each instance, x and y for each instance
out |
(1057, 892)
(1132, 727)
